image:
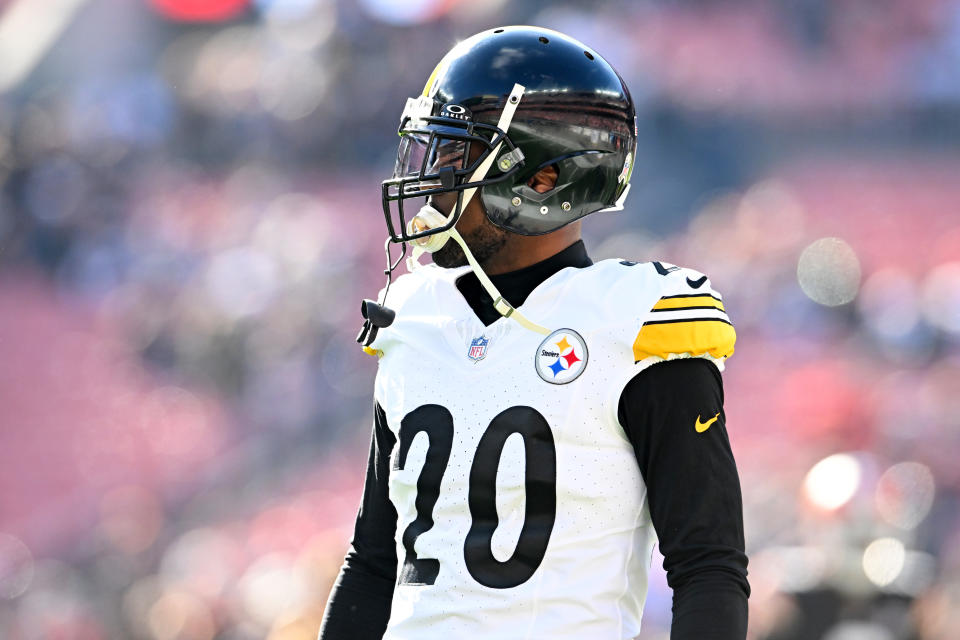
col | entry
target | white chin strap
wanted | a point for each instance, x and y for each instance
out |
(430, 218)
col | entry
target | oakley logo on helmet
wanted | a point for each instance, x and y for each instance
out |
(455, 111)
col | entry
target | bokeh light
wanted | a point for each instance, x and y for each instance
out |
(941, 297)
(833, 481)
(829, 272)
(203, 562)
(271, 586)
(889, 303)
(905, 494)
(883, 560)
(858, 630)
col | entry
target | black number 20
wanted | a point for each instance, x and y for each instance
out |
(541, 485)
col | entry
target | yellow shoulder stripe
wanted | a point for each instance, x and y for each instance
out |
(688, 302)
(695, 336)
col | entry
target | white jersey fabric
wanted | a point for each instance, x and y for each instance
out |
(516, 488)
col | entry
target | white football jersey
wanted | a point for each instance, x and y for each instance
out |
(521, 509)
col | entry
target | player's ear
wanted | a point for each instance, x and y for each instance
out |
(545, 179)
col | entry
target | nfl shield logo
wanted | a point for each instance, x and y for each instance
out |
(478, 348)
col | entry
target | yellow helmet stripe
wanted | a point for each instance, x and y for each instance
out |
(428, 89)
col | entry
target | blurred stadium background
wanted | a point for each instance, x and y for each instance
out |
(189, 215)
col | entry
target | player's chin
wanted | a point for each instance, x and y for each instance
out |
(485, 242)
(449, 256)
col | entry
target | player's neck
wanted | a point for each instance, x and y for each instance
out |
(523, 251)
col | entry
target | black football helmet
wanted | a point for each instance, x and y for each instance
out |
(501, 106)
(572, 111)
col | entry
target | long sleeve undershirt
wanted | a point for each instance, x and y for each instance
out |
(692, 488)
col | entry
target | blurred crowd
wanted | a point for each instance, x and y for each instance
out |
(189, 216)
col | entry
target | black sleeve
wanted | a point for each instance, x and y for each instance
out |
(359, 604)
(694, 494)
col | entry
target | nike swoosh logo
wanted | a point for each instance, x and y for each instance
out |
(696, 284)
(703, 426)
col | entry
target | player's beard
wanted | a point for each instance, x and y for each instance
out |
(485, 241)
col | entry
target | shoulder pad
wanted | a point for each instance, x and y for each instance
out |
(688, 319)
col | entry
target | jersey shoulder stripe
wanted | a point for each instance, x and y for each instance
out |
(688, 301)
(695, 337)
(688, 320)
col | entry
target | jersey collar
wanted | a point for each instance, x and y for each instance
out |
(516, 286)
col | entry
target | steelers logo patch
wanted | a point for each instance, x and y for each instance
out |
(561, 357)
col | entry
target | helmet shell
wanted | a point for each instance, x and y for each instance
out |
(576, 113)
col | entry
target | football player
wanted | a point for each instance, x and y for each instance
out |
(540, 420)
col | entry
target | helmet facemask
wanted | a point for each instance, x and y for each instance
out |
(441, 151)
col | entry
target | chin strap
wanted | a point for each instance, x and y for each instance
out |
(430, 217)
(503, 307)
